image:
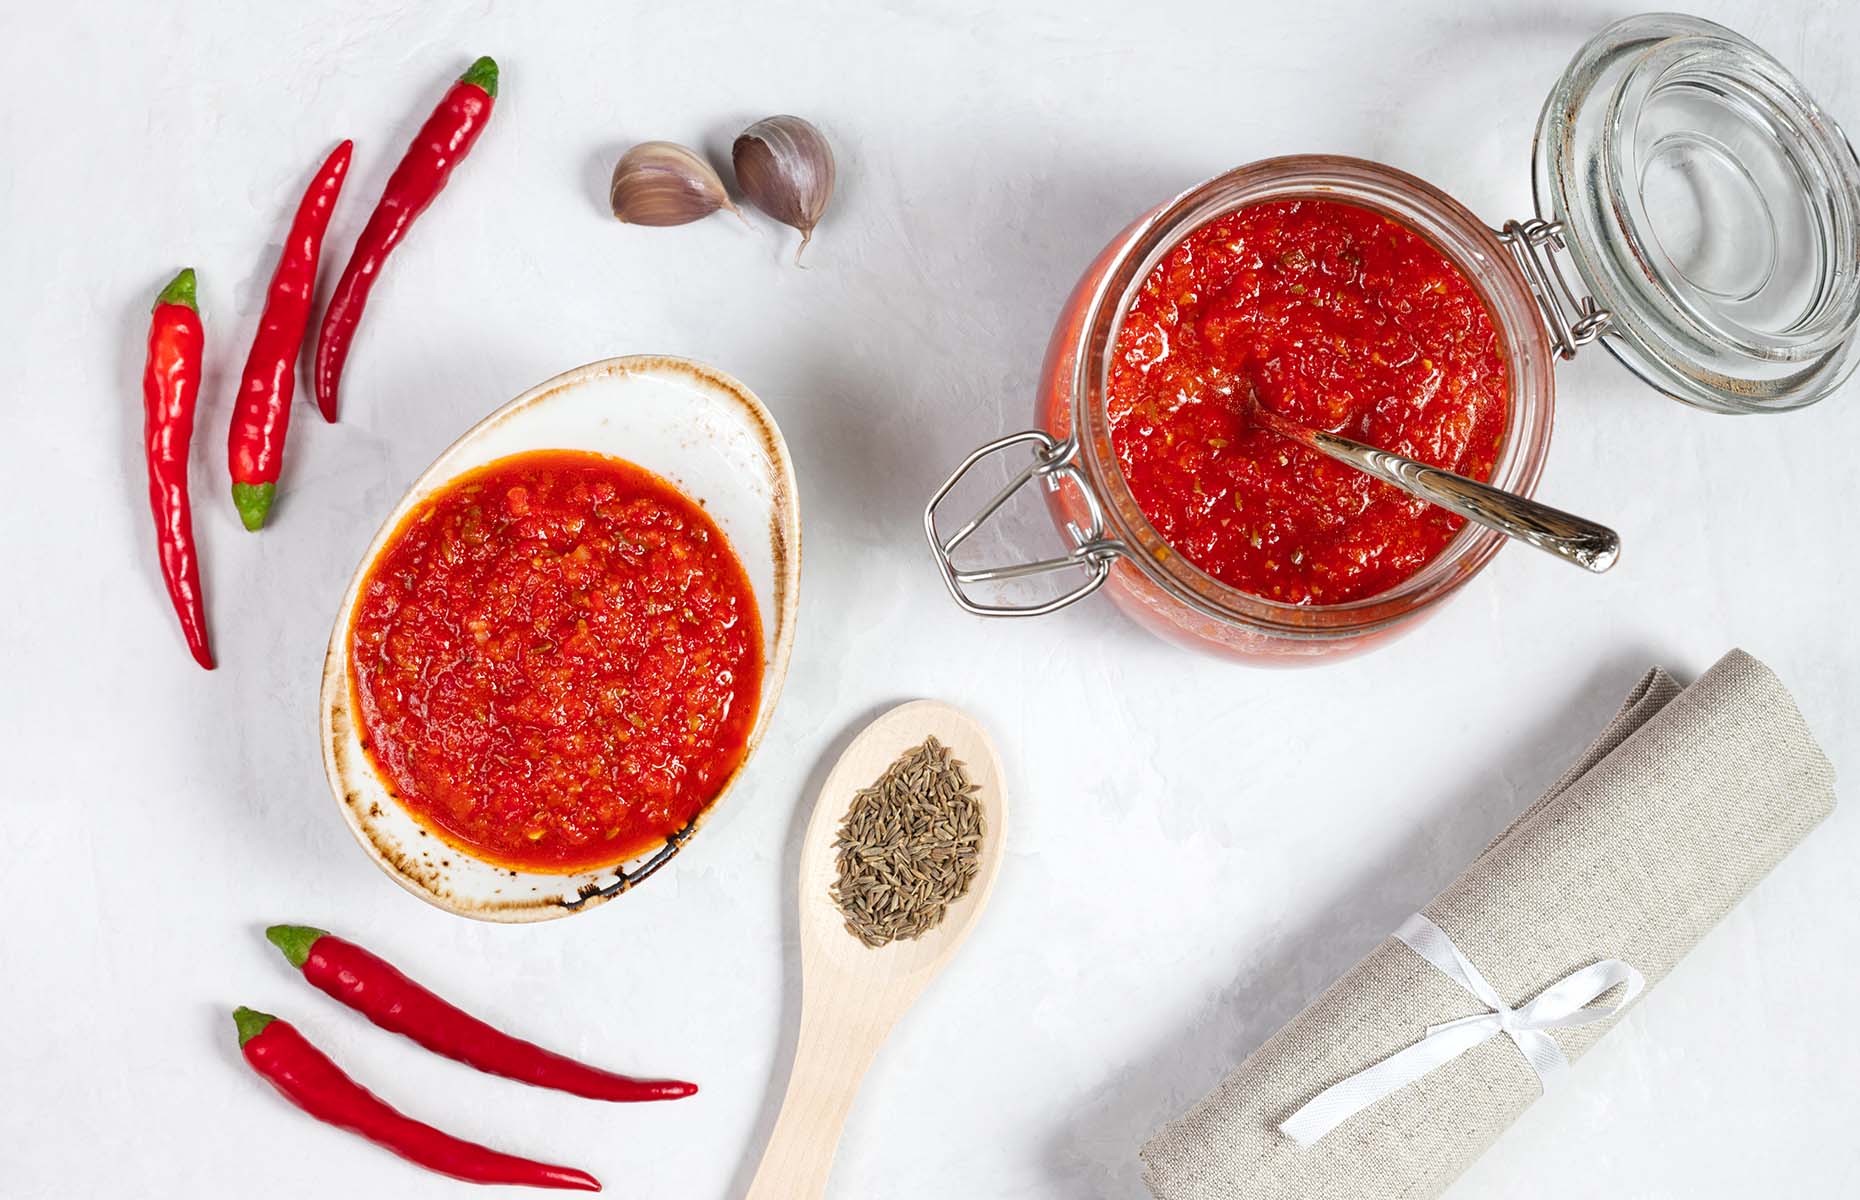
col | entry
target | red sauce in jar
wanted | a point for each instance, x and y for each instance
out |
(557, 660)
(1335, 316)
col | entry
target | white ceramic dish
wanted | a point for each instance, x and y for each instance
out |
(692, 425)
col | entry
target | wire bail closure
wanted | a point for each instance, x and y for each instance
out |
(1054, 462)
(1572, 321)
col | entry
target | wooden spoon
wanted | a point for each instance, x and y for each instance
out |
(852, 995)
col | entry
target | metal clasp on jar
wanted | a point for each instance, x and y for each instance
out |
(1572, 321)
(1055, 462)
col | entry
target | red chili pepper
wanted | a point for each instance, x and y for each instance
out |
(443, 141)
(262, 410)
(308, 1079)
(170, 386)
(373, 987)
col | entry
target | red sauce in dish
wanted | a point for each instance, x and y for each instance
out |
(557, 660)
(1333, 315)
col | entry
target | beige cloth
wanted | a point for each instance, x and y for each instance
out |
(1684, 802)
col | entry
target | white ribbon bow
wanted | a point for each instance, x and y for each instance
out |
(1558, 1006)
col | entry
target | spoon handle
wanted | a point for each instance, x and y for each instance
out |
(836, 1045)
(1570, 537)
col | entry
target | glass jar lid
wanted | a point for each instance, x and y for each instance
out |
(1711, 208)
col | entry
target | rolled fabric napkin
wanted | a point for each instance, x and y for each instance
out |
(1684, 802)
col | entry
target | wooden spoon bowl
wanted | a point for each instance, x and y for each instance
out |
(851, 994)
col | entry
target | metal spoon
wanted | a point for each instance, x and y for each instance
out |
(1565, 535)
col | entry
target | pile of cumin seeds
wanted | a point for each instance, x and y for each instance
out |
(909, 847)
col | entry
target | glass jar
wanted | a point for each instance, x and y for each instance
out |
(1708, 211)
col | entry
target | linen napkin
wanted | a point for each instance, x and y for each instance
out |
(1684, 802)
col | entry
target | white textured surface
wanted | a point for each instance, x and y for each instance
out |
(1198, 848)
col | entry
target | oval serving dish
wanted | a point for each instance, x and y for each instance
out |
(697, 428)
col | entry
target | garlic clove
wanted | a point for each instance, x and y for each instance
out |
(663, 183)
(785, 167)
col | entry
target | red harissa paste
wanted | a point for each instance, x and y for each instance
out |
(1335, 316)
(557, 660)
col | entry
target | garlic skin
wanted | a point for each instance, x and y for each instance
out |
(663, 183)
(785, 168)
